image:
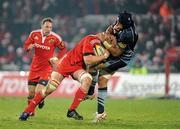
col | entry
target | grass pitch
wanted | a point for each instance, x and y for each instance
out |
(122, 114)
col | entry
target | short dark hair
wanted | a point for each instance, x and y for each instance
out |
(49, 19)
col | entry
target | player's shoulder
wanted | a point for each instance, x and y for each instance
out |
(93, 39)
(56, 35)
(36, 31)
(128, 33)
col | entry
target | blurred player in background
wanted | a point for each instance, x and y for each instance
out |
(126, 35)
(43, 42)
(74, 64)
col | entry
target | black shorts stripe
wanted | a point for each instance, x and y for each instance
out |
(32, 83)
(43, 82)
(104, 88)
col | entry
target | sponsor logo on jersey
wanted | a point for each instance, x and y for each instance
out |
(41, 46)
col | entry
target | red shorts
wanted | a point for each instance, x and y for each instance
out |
(65, 68)
(35, 76)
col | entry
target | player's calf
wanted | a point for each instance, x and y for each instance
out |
(29, 99)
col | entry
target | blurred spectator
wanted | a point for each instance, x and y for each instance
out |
(76, 18)
(138, 68)
(165, 11)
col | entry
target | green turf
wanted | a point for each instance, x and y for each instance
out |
(122, 114)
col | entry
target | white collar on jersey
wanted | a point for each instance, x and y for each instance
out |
(45, 35)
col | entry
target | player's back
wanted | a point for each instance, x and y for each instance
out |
(128, 37)
(85, 46)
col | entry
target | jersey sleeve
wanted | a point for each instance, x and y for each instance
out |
(89, 44)
(61, 46)
(28, 41)
(59, 43)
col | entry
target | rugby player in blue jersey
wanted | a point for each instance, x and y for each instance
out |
(126, 35)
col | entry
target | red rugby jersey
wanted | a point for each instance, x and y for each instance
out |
(85, 46)
(44, 47)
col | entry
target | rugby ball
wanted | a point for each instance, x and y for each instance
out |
(99, 50)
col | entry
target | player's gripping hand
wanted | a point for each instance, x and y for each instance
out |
(106, 54)
(30, 47)
(54, 61)
(100, 66)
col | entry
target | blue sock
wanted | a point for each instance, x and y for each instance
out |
(91, 88)
(102, 95)
(95, 76)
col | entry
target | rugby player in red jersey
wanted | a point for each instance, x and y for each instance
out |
(74, 64)
(43, 42)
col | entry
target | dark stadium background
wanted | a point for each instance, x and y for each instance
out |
(75, 18)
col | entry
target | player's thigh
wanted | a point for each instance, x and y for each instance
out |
(31, 90)
(56, 76)
(79, 74)
(43, 81)
(33, 79)
(41, 84)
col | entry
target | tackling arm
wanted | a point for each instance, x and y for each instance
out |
(92, 59)
(115, 50)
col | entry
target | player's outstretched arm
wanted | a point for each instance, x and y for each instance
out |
(29, 43)
(30, 47)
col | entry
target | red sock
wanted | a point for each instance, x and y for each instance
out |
(36, 100)
(29, 101)
(79, 96)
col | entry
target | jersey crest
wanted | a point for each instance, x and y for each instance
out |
(51, 40)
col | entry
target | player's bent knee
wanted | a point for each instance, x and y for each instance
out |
(31, 93)
(31, 96)
(86, 80)
(53, 84)
(86, 76)
(43, 82)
